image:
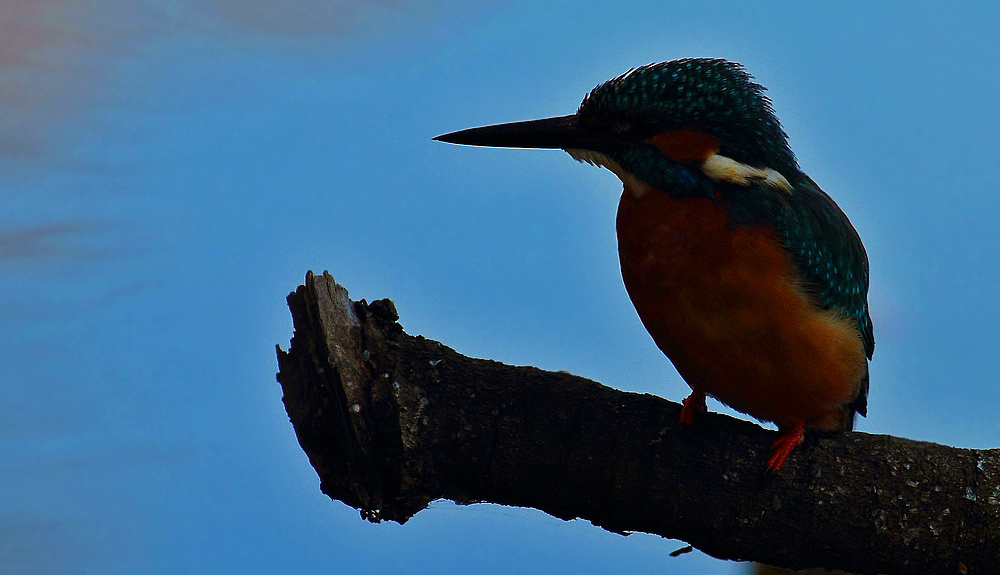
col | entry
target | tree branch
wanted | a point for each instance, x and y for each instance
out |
(392, 422)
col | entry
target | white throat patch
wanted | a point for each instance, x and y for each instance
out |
(637, 186)
(719, 168)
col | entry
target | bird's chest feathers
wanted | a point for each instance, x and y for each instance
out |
(725, 304)
(687, 252)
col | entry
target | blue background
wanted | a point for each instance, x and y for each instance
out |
(170, 169)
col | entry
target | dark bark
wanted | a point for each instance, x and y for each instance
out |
(391, 422)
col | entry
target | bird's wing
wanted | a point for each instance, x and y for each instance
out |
(829, 255)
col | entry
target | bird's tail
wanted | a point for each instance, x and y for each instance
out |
(860, 404)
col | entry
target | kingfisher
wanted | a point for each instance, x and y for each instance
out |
(748, 277)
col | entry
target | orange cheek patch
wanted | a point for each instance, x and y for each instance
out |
(686, 146)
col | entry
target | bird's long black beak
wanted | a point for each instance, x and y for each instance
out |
(563, 132)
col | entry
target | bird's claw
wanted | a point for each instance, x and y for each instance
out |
(692, 406)
(791, 438)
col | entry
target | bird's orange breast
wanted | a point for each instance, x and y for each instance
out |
(724, 303)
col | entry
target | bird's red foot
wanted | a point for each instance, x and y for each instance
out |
(791, 437)
(693, 405)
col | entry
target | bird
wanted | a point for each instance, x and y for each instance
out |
(747, 276)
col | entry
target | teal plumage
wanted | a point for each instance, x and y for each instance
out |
(832, 261)
(712, 95)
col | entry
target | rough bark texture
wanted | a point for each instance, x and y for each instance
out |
(392, 422)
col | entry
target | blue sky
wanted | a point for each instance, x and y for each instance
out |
(171, 169)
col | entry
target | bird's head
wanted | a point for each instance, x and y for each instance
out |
(674, 125)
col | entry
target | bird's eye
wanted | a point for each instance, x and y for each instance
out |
(623, 127)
